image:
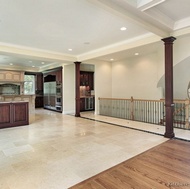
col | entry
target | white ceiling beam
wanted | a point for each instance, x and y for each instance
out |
(36, 53)
(147, 4)
(131, 13)
(125, 45)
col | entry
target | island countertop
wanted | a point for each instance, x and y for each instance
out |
(20, 98)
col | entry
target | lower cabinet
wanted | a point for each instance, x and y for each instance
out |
(14, 114)
(86, 104)
(39, 102)
(82, 104)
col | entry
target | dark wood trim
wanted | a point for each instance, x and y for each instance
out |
(169, 105)
(77, 85)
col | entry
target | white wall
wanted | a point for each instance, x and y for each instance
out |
(137, 77)
(69, 89)
(103, 82)
(181, 68)
(144, 76)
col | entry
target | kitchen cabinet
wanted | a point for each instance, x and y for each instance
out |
(39, 81)
(39, 91)
(87, 103)
(82, 104)
(14, 114)
(11, 76)
(39, 102)
(87, 79)
(91, 80)
(59, 76)
(53, 75)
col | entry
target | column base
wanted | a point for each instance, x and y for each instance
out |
(77, 115)
(169, 135)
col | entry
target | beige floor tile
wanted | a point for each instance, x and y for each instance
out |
(57, 151)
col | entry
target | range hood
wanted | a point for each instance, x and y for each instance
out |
(10, 89)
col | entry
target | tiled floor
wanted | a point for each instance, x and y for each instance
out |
(57, 151)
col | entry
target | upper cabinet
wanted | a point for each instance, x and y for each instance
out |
(87, 79)
(53, 75)
(59, 76)
(39, 81)
(11, 76)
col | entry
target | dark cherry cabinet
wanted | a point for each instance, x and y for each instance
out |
(14, 114)
(59, 76)
(82, 104)
(53, 75)
(39, 91)
(87, 79)
(39, 102)
(39, 81)
(87, 103)
(91, 80)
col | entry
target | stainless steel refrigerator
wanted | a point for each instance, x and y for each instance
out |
(50, 95)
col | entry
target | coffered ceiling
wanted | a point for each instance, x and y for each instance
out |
(39, 34)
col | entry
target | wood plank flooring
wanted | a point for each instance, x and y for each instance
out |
(164, 166)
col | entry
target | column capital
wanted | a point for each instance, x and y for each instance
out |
(77, 87)
(169, 39)
(77, 62)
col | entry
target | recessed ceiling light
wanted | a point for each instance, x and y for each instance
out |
(123, 28)
(70, 49)
(136, 54)
(42, 62)
(11, 64)
(111, 59)
(33, 66)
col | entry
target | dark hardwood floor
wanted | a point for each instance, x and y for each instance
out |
(164, 166)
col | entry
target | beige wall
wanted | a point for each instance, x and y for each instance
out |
(69, 89)
(103, 82)
(144, 76)
(136, 77)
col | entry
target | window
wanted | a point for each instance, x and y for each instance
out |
(29, 84)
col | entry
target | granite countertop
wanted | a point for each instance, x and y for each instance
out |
(17, 94)
(87, 96)
(4, 102)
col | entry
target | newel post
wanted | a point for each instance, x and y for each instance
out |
(187, 113)
(77, 91)
(169, 105)
(132, 108)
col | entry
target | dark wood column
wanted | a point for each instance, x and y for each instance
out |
(77, 85)
(169, 105)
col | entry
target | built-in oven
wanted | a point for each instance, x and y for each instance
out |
(58, 89)
(58, 100)
(58, 103)
(58, 108)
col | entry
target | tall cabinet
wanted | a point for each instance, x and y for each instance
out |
(39, 91)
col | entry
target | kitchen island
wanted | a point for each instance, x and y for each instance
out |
(14, 114)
